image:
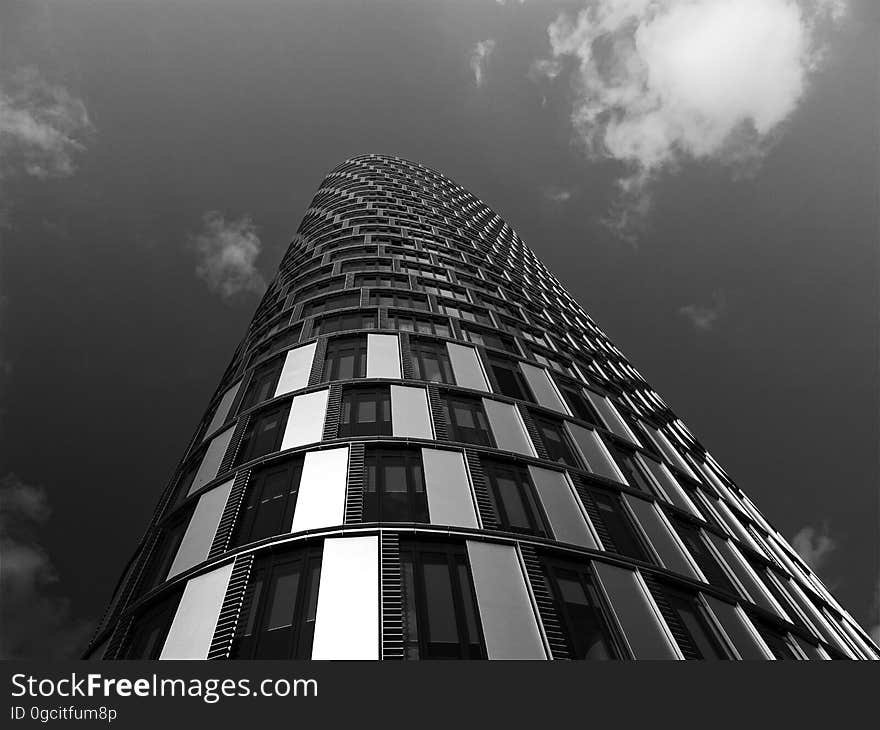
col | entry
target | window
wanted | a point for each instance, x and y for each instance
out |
(264, 433)
(490, 339)
(366, 412)
(395, 486)
(467, 420)
(413, 323)
(346, 358)
(699, 550)
(338, 301)
(430, 361)
(383, 280)
(555, 441)
(367, 265)
(322, 287)
(631, 467)
(775, 640)
(619, 528)
(467, 314)
(271, 499)
(262, 383)
(577, 402)
(440, 605)
(150, 629)
(170, 537)
(445, 291)
(343, 322)
(288, 337)
(278, 615)
(513, 497)
(583, 619)
(508, 378)
(700, 641)
(395, 299)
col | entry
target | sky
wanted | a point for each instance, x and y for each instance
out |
(700, 174)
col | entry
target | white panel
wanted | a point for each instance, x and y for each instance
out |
(509, 624)
(636, 612)
(507, 427)
(347, 618)
(193, 626)
(448, 488)
(543, 388)
(305, 422)
(466, 367)
(211, 460)
(568, 522)
(296, 370)
(409, 412)
(321, 498)
(594, 452)
(383, 356)
(223, 407)
(202, 527)
(611, 417)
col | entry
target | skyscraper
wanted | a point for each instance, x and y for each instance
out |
(423, 447)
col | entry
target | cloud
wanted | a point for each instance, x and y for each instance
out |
(705, 317)
(557, 195)
(814, 546)
(36, 622)
(657, 83)
(42, 126)
(479, 58)
(227, 252)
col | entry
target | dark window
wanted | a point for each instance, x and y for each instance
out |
(150, 629)
(366, 412)
(514, 501)
(264, 433)
(490, 339)
(580, 611)
(343, 322)
(262, 383)
(395, 486)
(555, 441)
(346, 358)
(578, 404)
(508, 378)
(620, 528)
(629, 465)
(383, 280)
(278, 615)
(775, 640)
(467, 420)
(700, 552)
(170, 536)
(338, 301)
(321, 287)
(413, 323)
(441, 610)
(395, 299)
(695, 623)
(271, 498)
(430, 361)
(367, 265)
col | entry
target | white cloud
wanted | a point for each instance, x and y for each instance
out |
(704, 317)
(42, 126)
(227, 253)
(36, 622)
(661, 82)
(814, 546)
(557, 195)
(479, 58)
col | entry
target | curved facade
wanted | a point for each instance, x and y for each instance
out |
(424, 448)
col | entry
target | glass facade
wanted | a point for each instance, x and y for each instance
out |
(422, 422)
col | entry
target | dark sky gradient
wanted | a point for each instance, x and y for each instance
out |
(116, 346)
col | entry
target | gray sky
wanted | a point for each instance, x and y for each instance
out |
(703, 180)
